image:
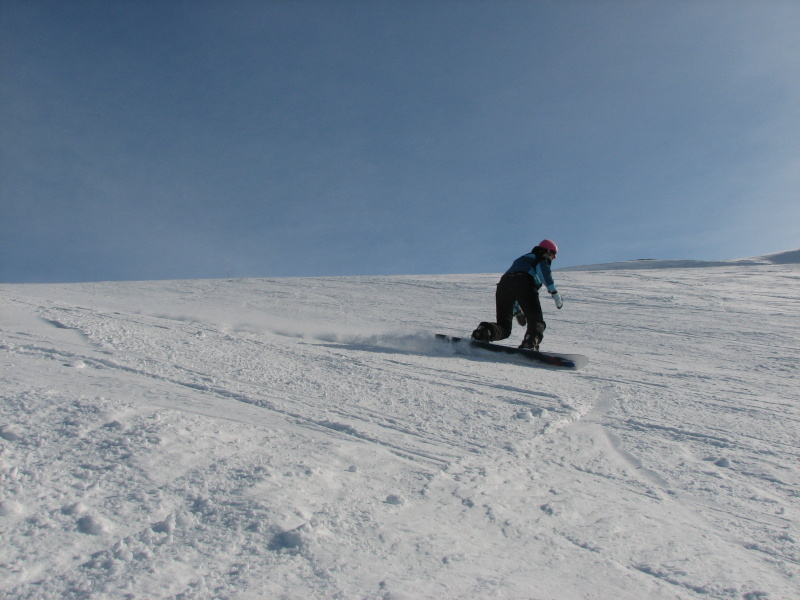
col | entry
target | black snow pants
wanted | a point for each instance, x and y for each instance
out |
(517, 287)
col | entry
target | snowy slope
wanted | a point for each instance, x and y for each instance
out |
(306, 438)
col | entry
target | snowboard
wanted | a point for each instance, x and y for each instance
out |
(567, 361)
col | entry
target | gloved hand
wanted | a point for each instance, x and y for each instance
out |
(517, 312)
(557, 298)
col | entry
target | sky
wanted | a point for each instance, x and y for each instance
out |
(164, 139)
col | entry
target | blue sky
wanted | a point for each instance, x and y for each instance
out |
(160, 139)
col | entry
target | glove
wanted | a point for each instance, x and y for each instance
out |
(517, 312)
(557, 299)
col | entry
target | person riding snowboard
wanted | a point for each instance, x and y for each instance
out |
(518, 290)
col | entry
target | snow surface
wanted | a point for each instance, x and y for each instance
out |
(307, 438)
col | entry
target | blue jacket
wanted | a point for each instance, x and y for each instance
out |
(538, 267)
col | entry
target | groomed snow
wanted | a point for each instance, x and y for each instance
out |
(307, 438)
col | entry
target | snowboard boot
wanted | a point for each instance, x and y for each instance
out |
(533, 338)
(483, 333)
(531, 342)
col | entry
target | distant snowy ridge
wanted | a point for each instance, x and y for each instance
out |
(783, 258)
(780, 258)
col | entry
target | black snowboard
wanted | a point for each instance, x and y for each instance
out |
(568, 361)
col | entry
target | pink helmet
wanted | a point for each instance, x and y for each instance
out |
(549, 245)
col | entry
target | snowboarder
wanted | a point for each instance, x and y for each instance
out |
(518, 290)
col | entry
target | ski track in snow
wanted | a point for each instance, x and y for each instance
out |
(308, 438)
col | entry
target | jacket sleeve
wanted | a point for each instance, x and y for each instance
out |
(546, 275)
